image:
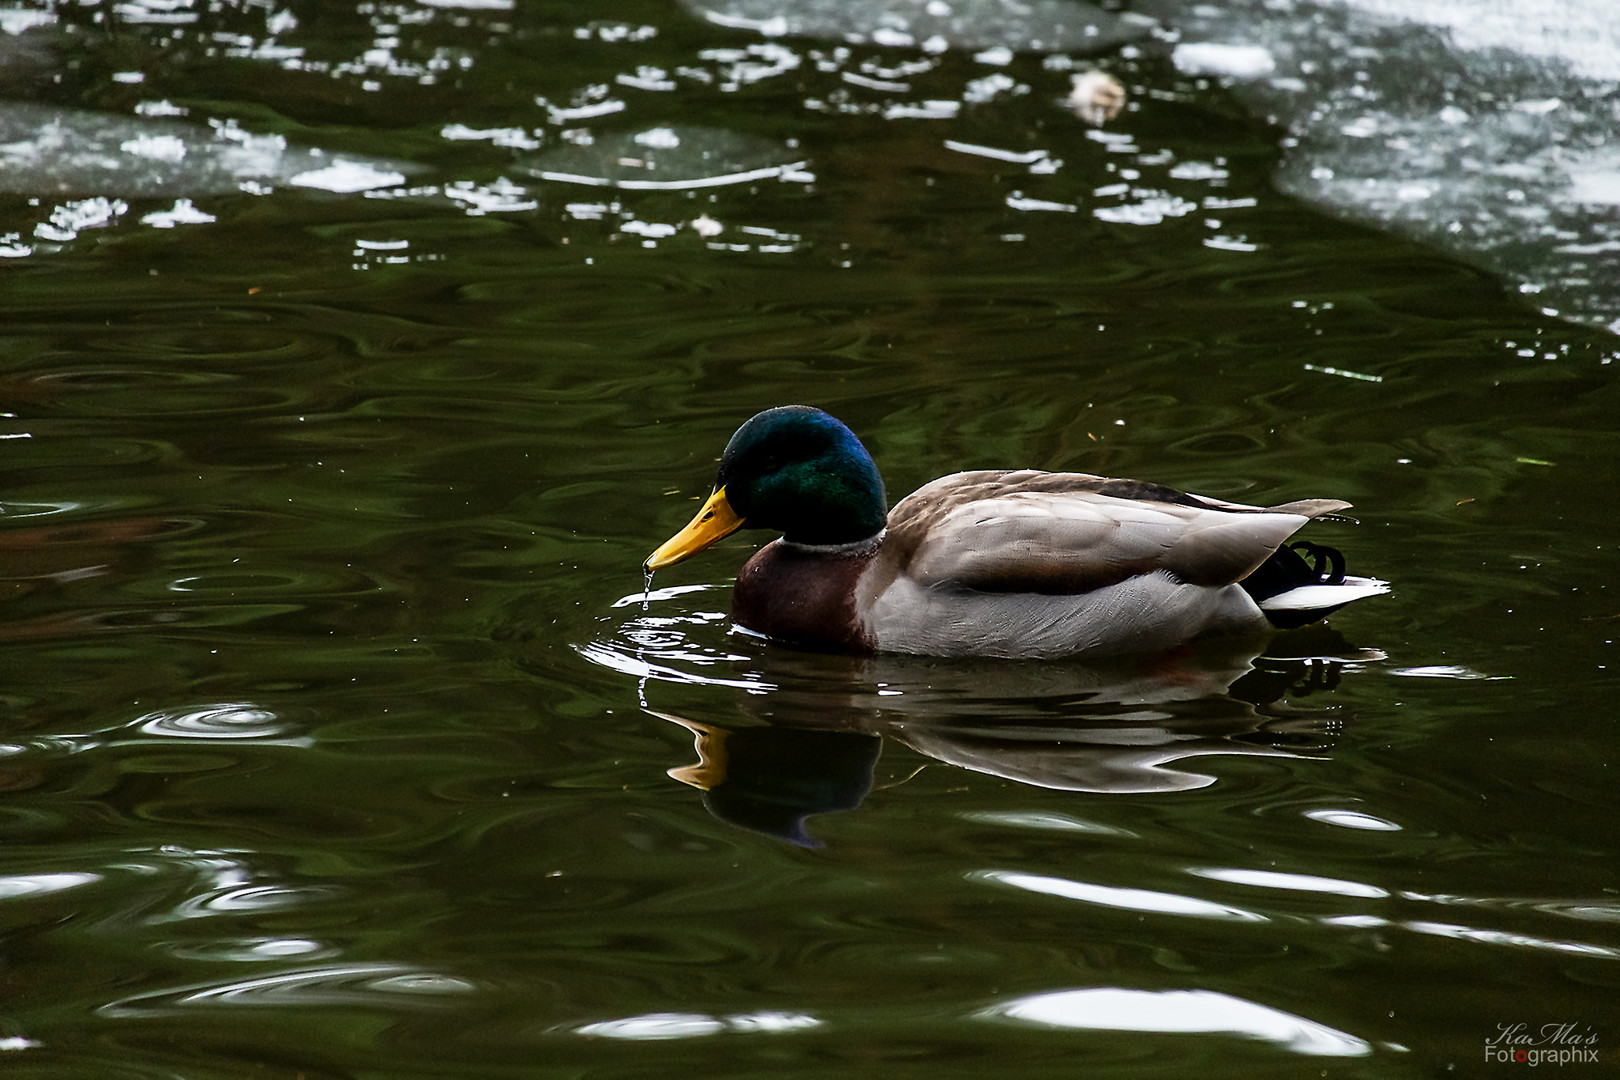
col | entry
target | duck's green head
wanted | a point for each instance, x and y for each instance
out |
(793, 469)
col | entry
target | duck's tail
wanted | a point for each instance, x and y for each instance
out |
(1293, 592)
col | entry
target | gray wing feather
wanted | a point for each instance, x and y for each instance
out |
(1060, 533)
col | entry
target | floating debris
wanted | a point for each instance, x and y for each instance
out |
(1097, 97)
(1343, 373)
(668, 159)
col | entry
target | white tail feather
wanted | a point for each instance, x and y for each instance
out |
(1324, 597)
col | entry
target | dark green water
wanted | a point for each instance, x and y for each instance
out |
(335, 739)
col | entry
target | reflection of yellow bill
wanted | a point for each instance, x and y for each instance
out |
(709, 771)
(716, 521)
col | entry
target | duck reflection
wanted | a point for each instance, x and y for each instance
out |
(810, 743)
(771, 779)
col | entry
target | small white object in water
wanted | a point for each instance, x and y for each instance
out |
(1214, 58)
(661, 138)
(184, 213)
(344, 177)
(1344, 373)
(704, 226)
(1595, 187)
(1096, 97)
(169, 148)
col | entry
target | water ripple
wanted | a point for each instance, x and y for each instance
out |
(1109, 1008)
(226, 720)
(15, 885)
(249, 899)
(237, 950)
(663, 647)
(1351, 819)
(1269, 879)
(1031, 819)
(1480, 935)
(670, 1025)
(1582, 910)
(1115, 897)
(215, 883)
(372, 984)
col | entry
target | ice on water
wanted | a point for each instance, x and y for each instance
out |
(1481, 127)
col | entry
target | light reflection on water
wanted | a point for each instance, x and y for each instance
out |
(1303, 882)
(1188, 1011)
(1109, 896)
(229, 721)
(228, 950)
(22, 885)
(657, 1026)
(378, 985)
(1352, 819)
(1186, 906)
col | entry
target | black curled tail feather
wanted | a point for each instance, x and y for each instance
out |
(1287, 568)
(1327, 563)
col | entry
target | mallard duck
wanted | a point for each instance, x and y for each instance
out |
(1011, 563)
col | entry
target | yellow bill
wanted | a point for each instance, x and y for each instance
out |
(716, 521)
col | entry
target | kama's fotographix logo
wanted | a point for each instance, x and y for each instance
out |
(1549, 1044)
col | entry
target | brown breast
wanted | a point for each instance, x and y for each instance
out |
(803, 597)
